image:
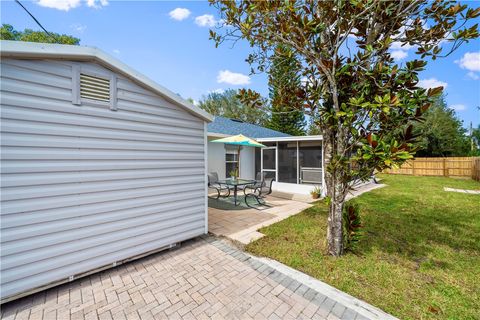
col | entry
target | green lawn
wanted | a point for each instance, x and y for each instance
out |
(419, 257)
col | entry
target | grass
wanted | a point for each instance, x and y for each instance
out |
(419, 257)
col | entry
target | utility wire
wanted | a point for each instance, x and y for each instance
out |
(35, 19)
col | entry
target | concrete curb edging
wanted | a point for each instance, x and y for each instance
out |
(345, 299)
(342, 305)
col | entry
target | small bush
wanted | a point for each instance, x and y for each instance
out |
(352, 225)
(316, 192)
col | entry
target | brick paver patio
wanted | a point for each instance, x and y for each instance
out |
(242, 225)
(203, 279)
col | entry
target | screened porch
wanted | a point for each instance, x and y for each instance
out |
(291, 160)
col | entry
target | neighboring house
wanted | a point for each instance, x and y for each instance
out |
(99, 165)
(295, 161)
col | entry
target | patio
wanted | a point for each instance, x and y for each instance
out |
(203, 279)
(240, 223)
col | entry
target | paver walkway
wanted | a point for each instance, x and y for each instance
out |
(363, 188)
(203, 279)
(242, 225)
(461, 190)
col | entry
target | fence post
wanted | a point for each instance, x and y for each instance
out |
(473, 168)
(445, 168)
(413, 167)
(476, 168)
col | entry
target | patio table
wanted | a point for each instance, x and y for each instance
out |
(235, 183)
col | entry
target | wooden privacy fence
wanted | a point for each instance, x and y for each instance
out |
(476, 169)
(461, 167)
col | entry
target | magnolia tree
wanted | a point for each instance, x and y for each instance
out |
(365, 101)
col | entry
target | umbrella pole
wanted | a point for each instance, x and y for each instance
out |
(238, 165)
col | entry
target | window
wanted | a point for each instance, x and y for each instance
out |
(231, 161)
(92, 88)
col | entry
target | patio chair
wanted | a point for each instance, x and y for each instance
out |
(260, 192)
(261, 176)
(259, 182)
(218, 187)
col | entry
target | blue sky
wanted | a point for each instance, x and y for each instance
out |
(168, 42)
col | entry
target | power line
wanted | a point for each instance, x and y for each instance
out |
(35, 19)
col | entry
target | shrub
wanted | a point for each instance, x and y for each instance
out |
(352, 225)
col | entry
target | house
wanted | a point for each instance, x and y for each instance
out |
(99, 165)
(296, 162)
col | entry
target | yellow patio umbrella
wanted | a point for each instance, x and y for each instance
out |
(239, 140)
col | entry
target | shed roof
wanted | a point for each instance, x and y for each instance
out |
(227, 126)
(33, 50)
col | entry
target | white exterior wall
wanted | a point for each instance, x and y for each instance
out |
(294, 188)
(247, 163)
(85, 186)
(216, 160)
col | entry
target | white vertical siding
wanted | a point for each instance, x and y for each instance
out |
(84, 186)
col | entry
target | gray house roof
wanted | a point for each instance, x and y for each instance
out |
(33, 50)
(233, 127)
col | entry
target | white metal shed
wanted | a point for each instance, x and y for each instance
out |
(99, 165)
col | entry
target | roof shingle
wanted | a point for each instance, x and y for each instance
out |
(233, 127)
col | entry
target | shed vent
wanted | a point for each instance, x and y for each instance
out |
(94, 88)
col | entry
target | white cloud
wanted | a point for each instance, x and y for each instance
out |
(473, 75)
(307, 81)
(470, 61)
(399, 54)
(179, 14)
(66, 5)
(219, 90)
(399, 51)
(458, 107)
(351, 34)
(116, 51)
(207, 20)
(80, 28)
(97, 3)
(226, 76)
(63, 5)
(396, 45)
(432, 83)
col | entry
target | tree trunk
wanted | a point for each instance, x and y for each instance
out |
(335, 226)
(336, 194)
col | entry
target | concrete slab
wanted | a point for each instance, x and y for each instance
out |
(461, 190)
